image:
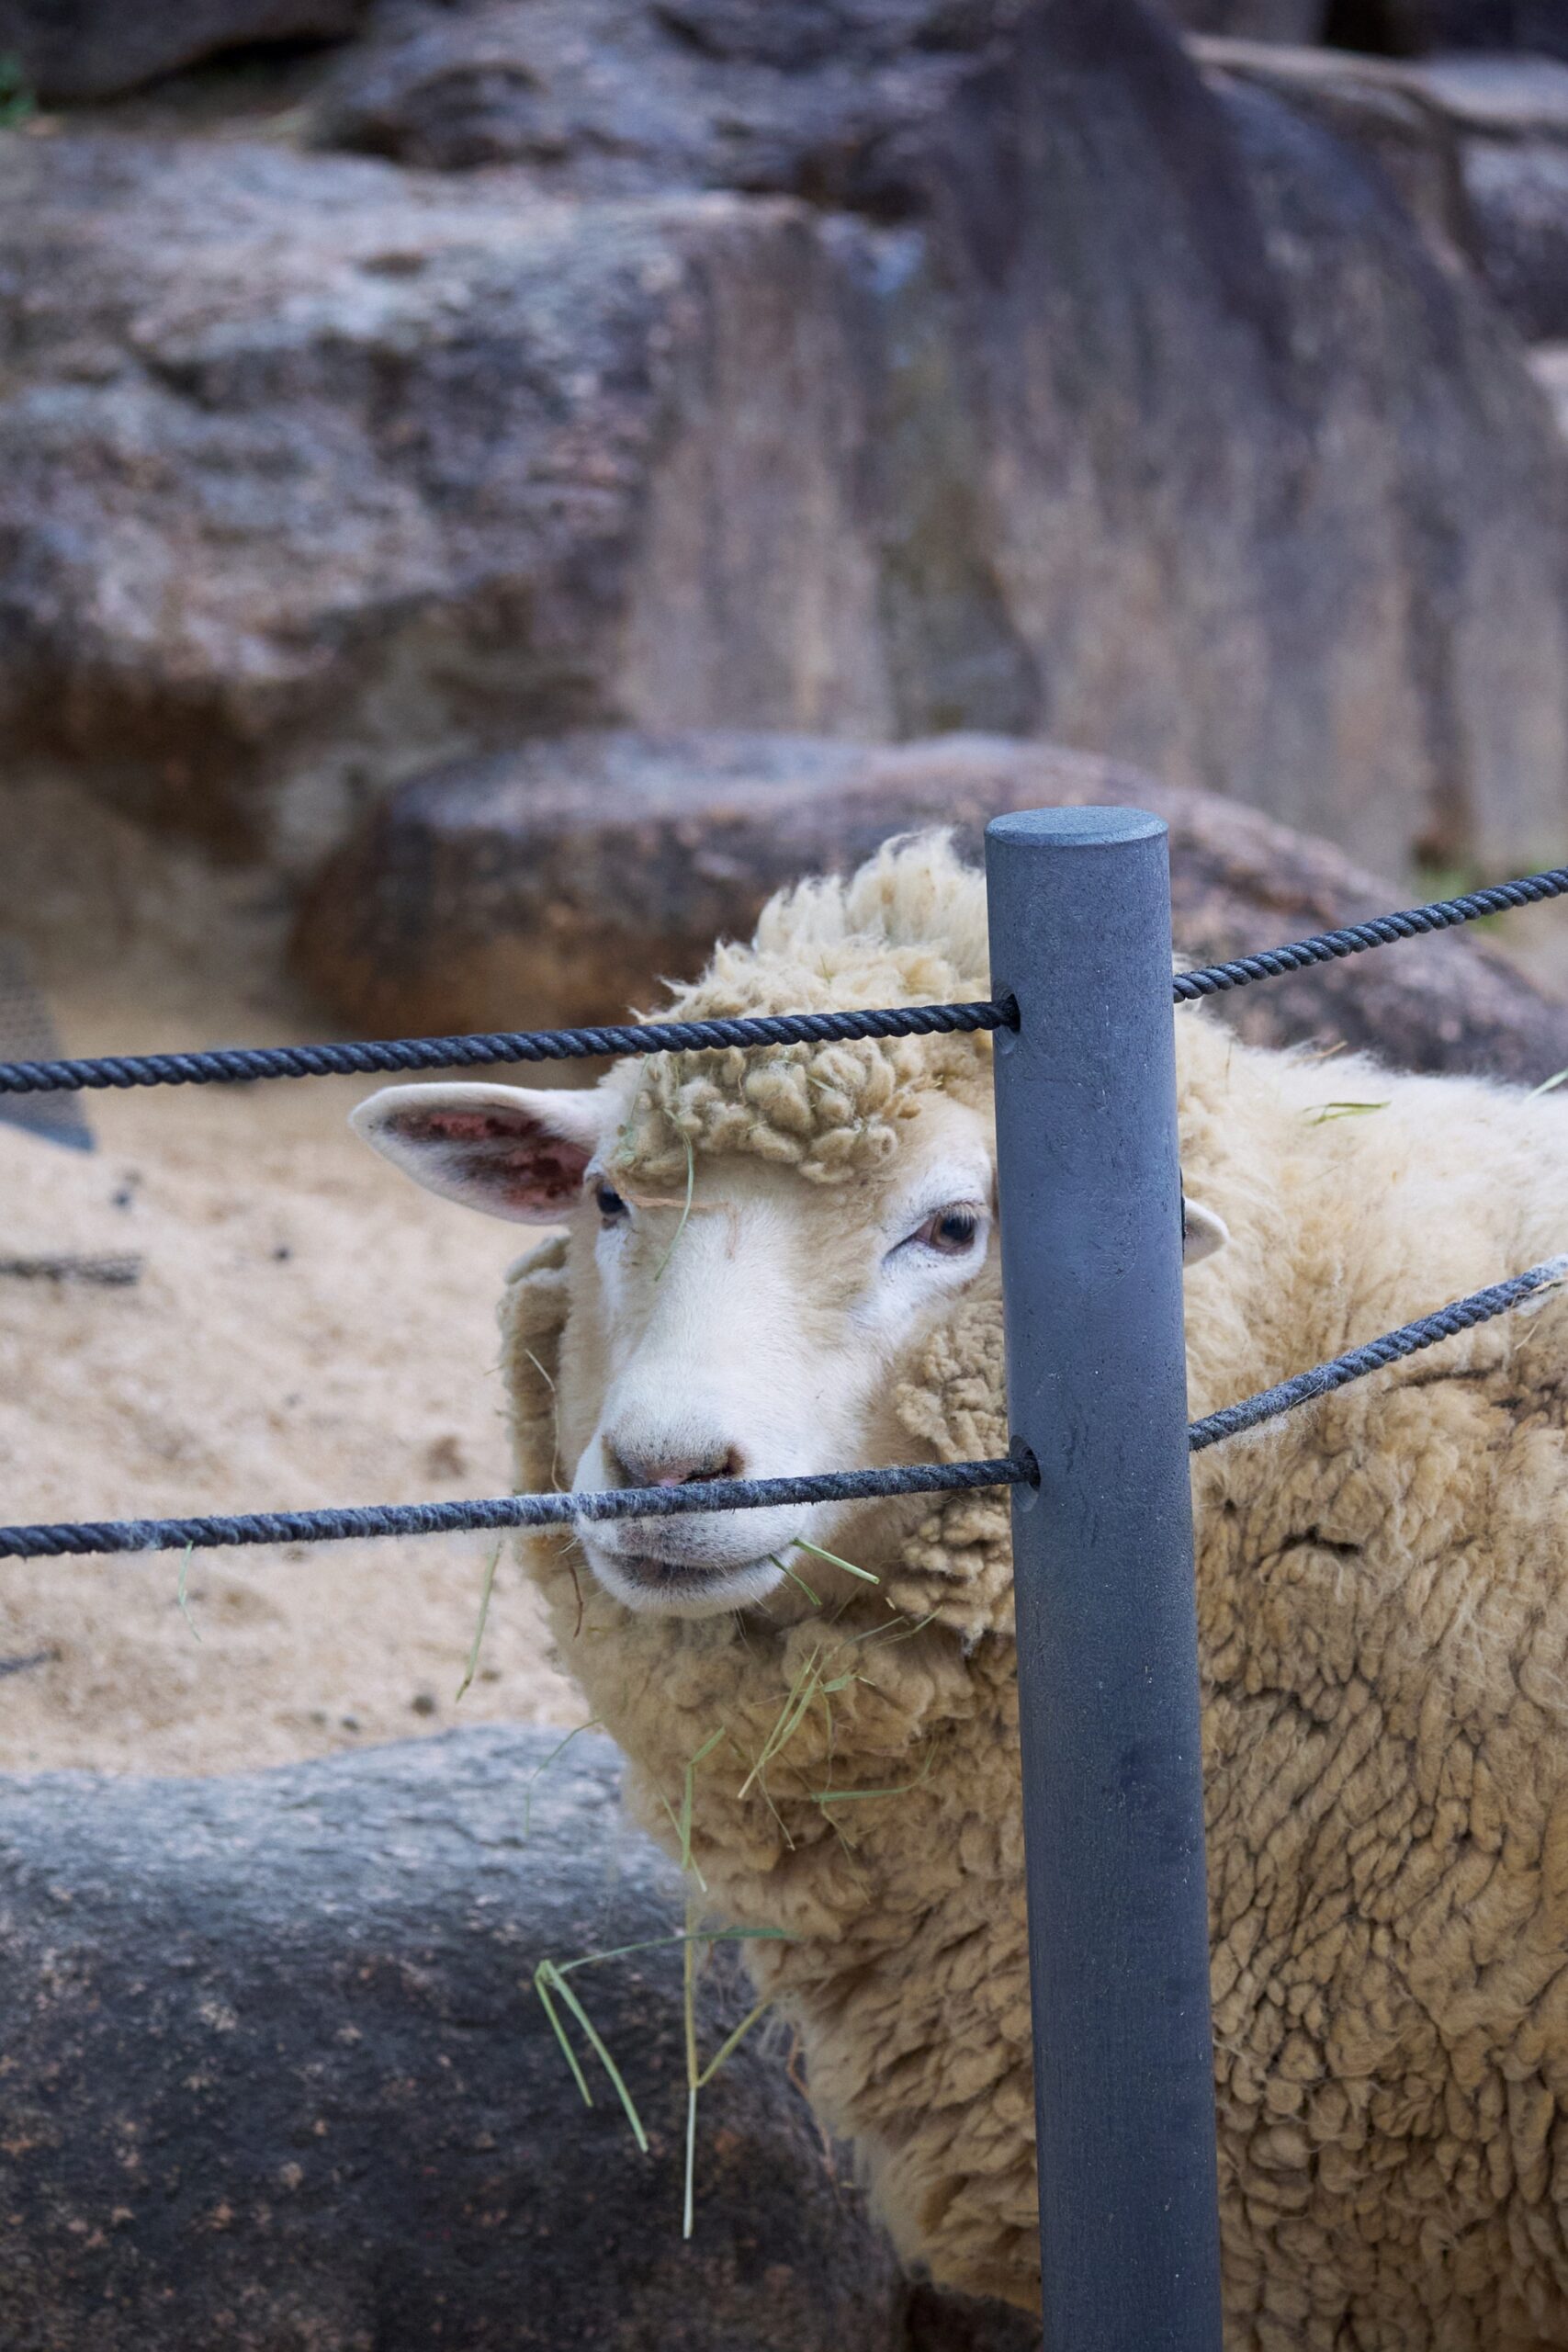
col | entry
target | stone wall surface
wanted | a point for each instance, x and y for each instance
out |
(872, 367)
(275, 2078)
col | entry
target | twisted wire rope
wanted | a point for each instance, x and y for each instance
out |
(504, 1511)
(1461, 1315)
(236, 1065)
(332, 1526)
(233, 1065)
(1327, 947)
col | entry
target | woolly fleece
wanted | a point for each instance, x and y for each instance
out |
(1384, 1617)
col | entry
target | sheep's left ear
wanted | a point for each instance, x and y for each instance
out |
(512, 1151)
(1201, 1232)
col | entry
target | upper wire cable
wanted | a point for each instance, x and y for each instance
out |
(242, 1065)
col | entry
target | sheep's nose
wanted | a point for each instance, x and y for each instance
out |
(651, 1465)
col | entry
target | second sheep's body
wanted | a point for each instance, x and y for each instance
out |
(1383, 1586)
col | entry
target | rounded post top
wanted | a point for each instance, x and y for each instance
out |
(1073, 828)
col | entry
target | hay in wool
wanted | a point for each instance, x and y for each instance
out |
(1383, 1615)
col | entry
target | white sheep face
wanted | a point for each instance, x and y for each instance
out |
(756, 1336)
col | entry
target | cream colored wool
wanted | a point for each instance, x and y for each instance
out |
(1383, 1602)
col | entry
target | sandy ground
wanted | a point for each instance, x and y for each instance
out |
(307, 1328)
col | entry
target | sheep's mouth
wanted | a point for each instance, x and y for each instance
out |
(658, 1583)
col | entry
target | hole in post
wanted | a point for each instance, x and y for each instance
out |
(1026, 1491)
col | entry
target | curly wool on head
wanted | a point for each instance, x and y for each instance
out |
(901, 931)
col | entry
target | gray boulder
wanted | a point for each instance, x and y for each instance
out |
(70, 49)
(557, 886)
(873, 368)
(275, 2078)
(1476, 147)
(319, 469)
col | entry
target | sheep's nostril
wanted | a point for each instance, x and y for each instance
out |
(727, 1466)
(647, 1466)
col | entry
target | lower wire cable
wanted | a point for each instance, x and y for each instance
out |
(69, 1539)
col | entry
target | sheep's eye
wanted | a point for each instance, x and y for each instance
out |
(951, 1230)
(610, 1206)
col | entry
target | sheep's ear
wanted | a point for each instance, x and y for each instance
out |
(1201, 1232)
(510, 1151)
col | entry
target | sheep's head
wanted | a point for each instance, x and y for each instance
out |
(841, 1205)
(757, 1332)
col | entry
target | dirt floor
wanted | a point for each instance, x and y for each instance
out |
(307, 1328)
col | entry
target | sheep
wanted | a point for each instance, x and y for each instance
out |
(785, 1262)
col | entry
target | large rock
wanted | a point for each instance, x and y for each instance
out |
(881, 104)
(327, 468)
(1477, 148)
(69, 50)
(557, 886)
(275, 2078)
(1025, 384)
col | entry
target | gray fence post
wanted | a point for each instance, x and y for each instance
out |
(1090, 1188)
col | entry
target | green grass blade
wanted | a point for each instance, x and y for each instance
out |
(850, 1796)
(592, 1725)
(484, 1613)
(788, 1720)
(885, 1635)
(544, 1976)
(180, 1595)
(683, 1826)
(784, 1569)
(693, 2070)
(686, 1210)
(684, 1832)
(732, 2044)
(801, 1544)
(687, 2215)
(596, 2042)
(667, 1943)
